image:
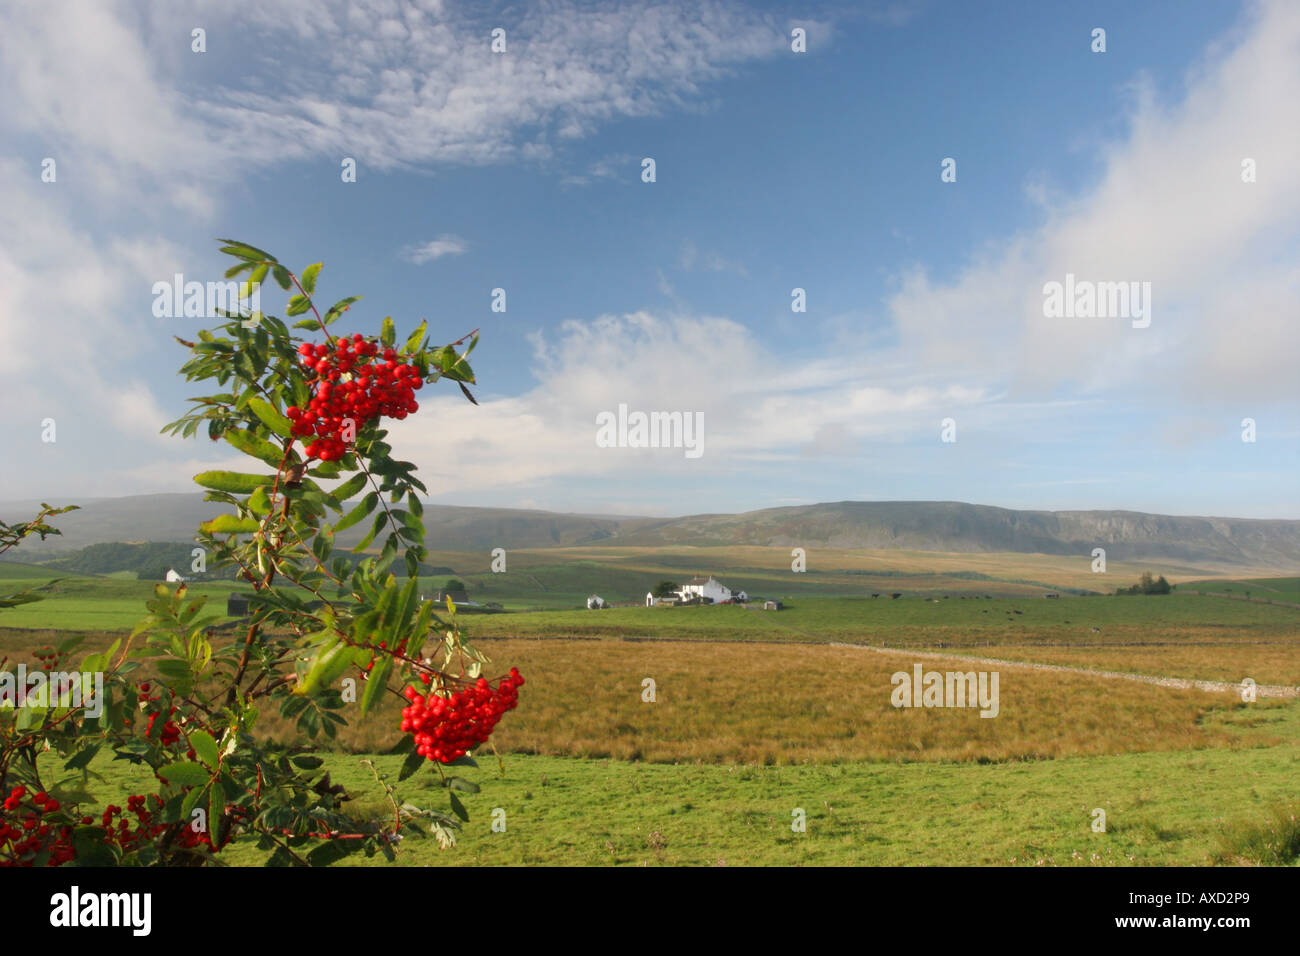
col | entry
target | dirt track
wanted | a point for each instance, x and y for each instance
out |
(1261, 690)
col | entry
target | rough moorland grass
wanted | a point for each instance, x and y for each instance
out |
(773, 703)
(755, 704)
(1273, 842)
(1161, 809)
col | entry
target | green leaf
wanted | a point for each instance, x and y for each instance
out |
(229, 524)
(81, 758)
(175, 671)
(412, 763)
(205, 747)
(191, 801)
(350, 487)
(281, 857)
(298, 304)
(254, 446)
(271, 418)
(415, 339)
(376, 682)
(322, 545)
(259, 502)
(232, 482)
(387, 332)
(308, 277)
(283, 277)
(368, 504)
(330, 852)
(329, 664)
(307, 762)
(254, 279)
(465, 786)
(339, 307)
(243, 250)
(216, 808)
(457, 807)
(185, 773)
(93, 848)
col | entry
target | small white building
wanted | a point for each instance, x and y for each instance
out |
(710, 588)
(174, 578)
(595, 602)
(650, 599)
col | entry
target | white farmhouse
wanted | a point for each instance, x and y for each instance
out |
(595, 603)
(174, 578)
(710, 587)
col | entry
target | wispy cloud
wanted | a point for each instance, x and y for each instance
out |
(691, 259)
(445, 245)
(144, 124)
(614, 166)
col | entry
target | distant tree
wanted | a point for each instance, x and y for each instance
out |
(454, 584)
(1147, 585)
(666, 589)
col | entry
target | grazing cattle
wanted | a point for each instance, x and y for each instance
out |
(896, 594)
(876, 595)
(1095, 630)
(1017, 612)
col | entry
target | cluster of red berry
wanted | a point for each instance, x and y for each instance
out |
(170, 733)
(354, 383)
(131, 837)
(28, 835)
(446, 727)
(50, 658)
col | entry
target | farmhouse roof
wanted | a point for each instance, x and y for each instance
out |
(699, 580)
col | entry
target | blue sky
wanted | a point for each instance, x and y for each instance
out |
(775, 170)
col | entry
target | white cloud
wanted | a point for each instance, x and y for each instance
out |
(756, 404)
(445, 245)
(1171, 209)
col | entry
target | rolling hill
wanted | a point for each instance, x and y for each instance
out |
(943, 526)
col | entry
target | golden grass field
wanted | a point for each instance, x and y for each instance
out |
(777, 704)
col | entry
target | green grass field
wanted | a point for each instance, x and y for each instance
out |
(85, 603)
(748, 730)
(918, 621)
(104, 603)
(1277, 589)
(604, 812)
